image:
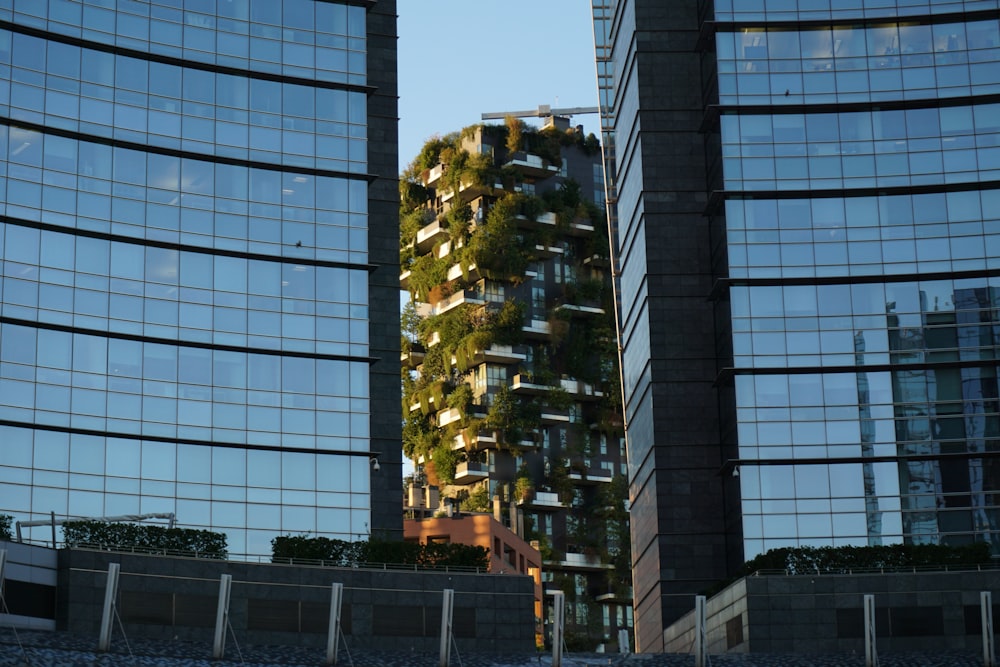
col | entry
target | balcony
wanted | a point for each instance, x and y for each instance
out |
(543, 221)
(470, 472)
(404, 279)
(580, 311)
(521, 384)
(581, 390)
(623, 596)
(449, 416)
(547, 251)
(533, 166)
(457, 299)
(431, 234)
(467, 191)
(543, 499)
(498, 354)
(581, 227)
(571, 561)
(412, 357)
(537, 329)
(431, 176)
(475, 440)
(550, 416)
(599, 261)
(590, 476)
(456, 272)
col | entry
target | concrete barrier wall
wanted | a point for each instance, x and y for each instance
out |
(30, 586)
(824, 613)
(167, 598)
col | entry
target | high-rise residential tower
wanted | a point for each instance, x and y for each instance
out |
(809, 257)
(510, 382)
(199, 281)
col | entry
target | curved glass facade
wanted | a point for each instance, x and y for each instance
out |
(185, 324)
(319, 40)
(863, 253)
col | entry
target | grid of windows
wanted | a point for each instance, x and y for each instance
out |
(864, 236)
(184, 279)
(316, 40)
(807, 10)
(880, 428)
(97, 187)
(848, 63)
(87, 381)
(866, 324)
(248, 494)
(131, 288)
(862, 149)
(132, 99)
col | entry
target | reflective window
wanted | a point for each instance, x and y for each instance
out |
(182, 200)
(298, 38)
(182, 108)
(892, 234)
(861, 149)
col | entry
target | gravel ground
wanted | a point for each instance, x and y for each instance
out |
(47, 649)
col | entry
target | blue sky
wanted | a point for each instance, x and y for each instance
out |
(460, 58)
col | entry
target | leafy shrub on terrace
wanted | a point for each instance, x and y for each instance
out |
(127, 536)
(844, 560)
(840, 560)
(6, 521)
(347, 554)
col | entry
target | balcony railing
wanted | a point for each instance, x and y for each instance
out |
(531, 165)
(469, 472)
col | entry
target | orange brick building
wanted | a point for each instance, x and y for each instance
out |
(509, 554)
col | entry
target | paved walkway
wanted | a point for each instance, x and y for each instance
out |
(46, 649)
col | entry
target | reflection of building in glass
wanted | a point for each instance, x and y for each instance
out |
(948, 412)
(192, 212)
(804, 167)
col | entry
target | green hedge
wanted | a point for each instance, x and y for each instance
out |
(844, 560)
(117, 536)
(840, 560)
(6, 521)
(347, 554)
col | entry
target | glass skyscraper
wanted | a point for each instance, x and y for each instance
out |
(198, 231)
(809, 251)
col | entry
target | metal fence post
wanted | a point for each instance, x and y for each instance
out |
(989, 650)
(333, 636)
(871, 653)
(447, 608)
(108, 615)
(222, 616)
(558, 625)
(700, 645)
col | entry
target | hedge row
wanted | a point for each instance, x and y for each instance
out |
(840, 560)
(347, 554)
(105, 535)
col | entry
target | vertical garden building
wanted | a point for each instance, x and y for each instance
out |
(198, 230)
(510, 381)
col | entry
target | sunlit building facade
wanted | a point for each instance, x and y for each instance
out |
(198, 230)
(809, 251)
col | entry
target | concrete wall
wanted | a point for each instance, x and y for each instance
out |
(824, 614)
(166, 598)
(29, 587)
